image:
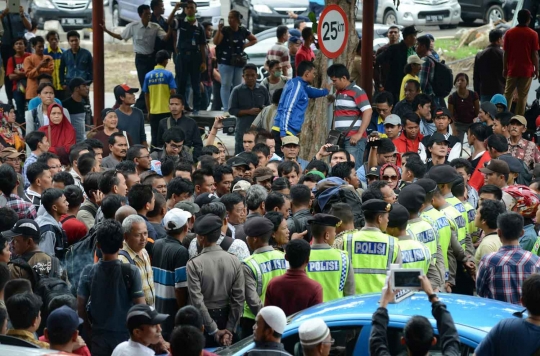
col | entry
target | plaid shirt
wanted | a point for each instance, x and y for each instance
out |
(145, 268)
(426, 75)
(501, 274)
(24, 209)
(525, 151)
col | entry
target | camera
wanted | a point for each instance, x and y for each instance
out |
(406, 278)
(374, 143)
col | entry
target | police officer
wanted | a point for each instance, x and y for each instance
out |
(191, 49)
(412, 197)
(371, 251)
(264, 264)
(447, 228)
(458, 190)
(414, 254)
(329, 266)
(215, 283)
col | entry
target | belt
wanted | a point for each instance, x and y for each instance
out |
(219, 310)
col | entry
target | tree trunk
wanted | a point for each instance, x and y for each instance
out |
(315, 128)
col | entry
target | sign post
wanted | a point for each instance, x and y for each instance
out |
(333, 34)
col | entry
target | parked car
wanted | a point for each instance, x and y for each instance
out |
(444, 13)
(349, 320)
(266, 39)
(72, 14)
(487, 10)
(260, 15)
(125, 11)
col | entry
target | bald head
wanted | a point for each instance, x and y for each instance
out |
(123, 213)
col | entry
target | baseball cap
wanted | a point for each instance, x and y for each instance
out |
(106, 112)
(241, 186)
(290, 140)
(443, 112)
(274, 317)
(237, 162)
(142, 314)
(437, 137)
(519, 118)
(205, 198)
(409, 30)
(10, 152)
(373, 171)
(489, 108)
(295, 39)
(122, 89)
(262, 173)
(26, 227)
(496, 166)
(77, 82)
(63, 321)
(188, 206)
(392, 119)
(175, 219)
(414, 59)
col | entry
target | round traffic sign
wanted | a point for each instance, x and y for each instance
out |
(333, 31)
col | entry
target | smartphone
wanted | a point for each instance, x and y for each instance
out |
(406, 278)
(333, 148)
(13, 6)
(221, 21)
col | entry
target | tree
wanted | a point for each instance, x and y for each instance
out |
(315, 128)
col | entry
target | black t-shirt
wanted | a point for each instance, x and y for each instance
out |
(74, 107)
(233, 42)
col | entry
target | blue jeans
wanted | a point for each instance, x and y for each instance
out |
(78, 122)
(231, 76)
(206, 96)
(356, 151)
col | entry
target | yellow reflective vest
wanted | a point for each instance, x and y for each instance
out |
(329, 267)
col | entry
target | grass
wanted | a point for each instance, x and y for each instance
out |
(450, 52)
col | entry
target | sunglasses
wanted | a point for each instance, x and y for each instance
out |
(392, 178)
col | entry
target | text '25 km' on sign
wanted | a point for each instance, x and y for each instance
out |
(333, 31)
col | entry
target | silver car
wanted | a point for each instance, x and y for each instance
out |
(444, 13)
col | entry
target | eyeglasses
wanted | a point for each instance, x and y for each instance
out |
(393, 178)
(331, 342)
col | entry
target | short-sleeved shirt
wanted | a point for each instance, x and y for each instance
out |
(351, 102)
(133, 124)
(233, 42)
(169, 266)
(15, 63)
(190, 35)
(144, 38)
(16, 29)
(109, 310)
(512, 336)
(158, 83)
(280, 52)
(519, 44)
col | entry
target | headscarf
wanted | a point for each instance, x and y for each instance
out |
(395, 168)
(8, 131)
(61, 136)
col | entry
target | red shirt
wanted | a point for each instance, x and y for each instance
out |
(15, 63)
(304, 54)
(404, 145)
(306, 291)
(477, 178)
(519, 43)
(75, 229)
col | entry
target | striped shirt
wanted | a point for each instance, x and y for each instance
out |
(501, 274)
(145, 268)
(280, 52)
(57, 58)
(351, 102)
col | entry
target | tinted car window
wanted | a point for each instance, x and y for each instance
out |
(345, 341)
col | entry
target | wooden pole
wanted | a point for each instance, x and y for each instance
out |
(99, 61)
(367, 46)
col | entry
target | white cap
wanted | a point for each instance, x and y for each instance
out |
(414, 59)
(275, 318)
(175, 219)
(313, 332)
(242, 185)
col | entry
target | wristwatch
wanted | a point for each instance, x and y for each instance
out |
(432, 296)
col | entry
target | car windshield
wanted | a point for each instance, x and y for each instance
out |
(234, 349)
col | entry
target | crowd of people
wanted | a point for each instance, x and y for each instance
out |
(115, 243)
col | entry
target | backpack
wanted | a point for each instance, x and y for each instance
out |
(80, 255)
(60, 244)
(341, 194)
(525, 176)
(443, 79)
(90, 209)
(48, 289)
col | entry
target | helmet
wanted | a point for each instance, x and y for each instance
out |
(526, 200)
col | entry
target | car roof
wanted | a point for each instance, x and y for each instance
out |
(473, 312)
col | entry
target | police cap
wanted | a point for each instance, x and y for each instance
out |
(207, 224)
(412, 197)
(376, 206)
(324, 220)
(443, 174)
(258, 227)
(398, 216)
(428, 184)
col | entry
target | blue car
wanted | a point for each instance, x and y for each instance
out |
(349, 320)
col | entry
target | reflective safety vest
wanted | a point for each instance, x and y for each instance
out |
(444, 227)
(453, 214)
(329, 267)
(264, 266)
(458, 204)
(536, 247)
(371, 253)
(414, 254)
(425, 232)
(471, 215)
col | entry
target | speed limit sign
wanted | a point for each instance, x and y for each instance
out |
(333, 31)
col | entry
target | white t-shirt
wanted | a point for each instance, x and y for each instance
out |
(130, 348)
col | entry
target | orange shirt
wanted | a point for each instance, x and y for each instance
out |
(30, 66)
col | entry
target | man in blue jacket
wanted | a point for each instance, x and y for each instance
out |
(294, 102)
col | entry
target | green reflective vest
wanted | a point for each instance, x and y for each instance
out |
(471, 215)
(536, 246)
(371, 253)
(414, 254)
(444, 227)
(329, 267)
(453, 214)
(264, 266)
(425, 232)
(458, 204)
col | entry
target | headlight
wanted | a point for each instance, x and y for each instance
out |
(90, 6)
(264, 9)
(215, 2)
(44, 4)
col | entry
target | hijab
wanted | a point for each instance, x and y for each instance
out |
(61, 136)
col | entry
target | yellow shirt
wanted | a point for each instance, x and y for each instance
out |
(145, 268)
(158, 84)
(27, 336)
(402, 89)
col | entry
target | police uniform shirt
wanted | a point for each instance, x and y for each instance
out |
(407, 256)
(215, 280)
(370, 249)
(144, 38)
(349, 288)
(190, 36)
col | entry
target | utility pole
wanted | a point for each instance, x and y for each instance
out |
(368, 20)
(99, 61)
